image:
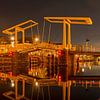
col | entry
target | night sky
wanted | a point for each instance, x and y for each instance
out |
(13, 12)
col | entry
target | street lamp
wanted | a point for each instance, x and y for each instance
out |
(12, 38)
(36, 84)
(12, 83)
(83, 69)
(36, 39)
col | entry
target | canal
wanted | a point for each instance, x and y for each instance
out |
(78, 92)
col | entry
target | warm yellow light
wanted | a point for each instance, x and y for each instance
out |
(12, 83)
(83, 70)
(36, 83)
(12, 43)
(36, 39)
(76, 55)
(12, 38)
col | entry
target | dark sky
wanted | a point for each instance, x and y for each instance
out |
(16, 11)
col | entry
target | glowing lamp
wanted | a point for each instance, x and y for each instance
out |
(59, 52)
(59, 78)
(10, 53)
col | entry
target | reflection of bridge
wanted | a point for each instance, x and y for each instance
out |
(14, 95)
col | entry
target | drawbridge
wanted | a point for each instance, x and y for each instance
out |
(51, 48)
(30, 24)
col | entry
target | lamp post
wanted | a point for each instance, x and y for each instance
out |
(87, 44)
(36, 39)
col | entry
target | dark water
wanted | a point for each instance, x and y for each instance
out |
(4, 86)
(82, 93)
(55, 92)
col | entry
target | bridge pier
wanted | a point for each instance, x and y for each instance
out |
(72, 65)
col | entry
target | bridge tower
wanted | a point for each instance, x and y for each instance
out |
(20, 28)
(68, 21)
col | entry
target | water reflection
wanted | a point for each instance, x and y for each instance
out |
(88, 68)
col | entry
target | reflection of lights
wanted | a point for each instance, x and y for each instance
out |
(36, 83)
(90, 68)
(12, 83)
(76, 55)
(12, 43)
(98, 63)
(83, 70)
(36, 73)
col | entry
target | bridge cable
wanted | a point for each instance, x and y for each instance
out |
(49, 33)
(43, 30)
(38, 30)
(32, 33)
